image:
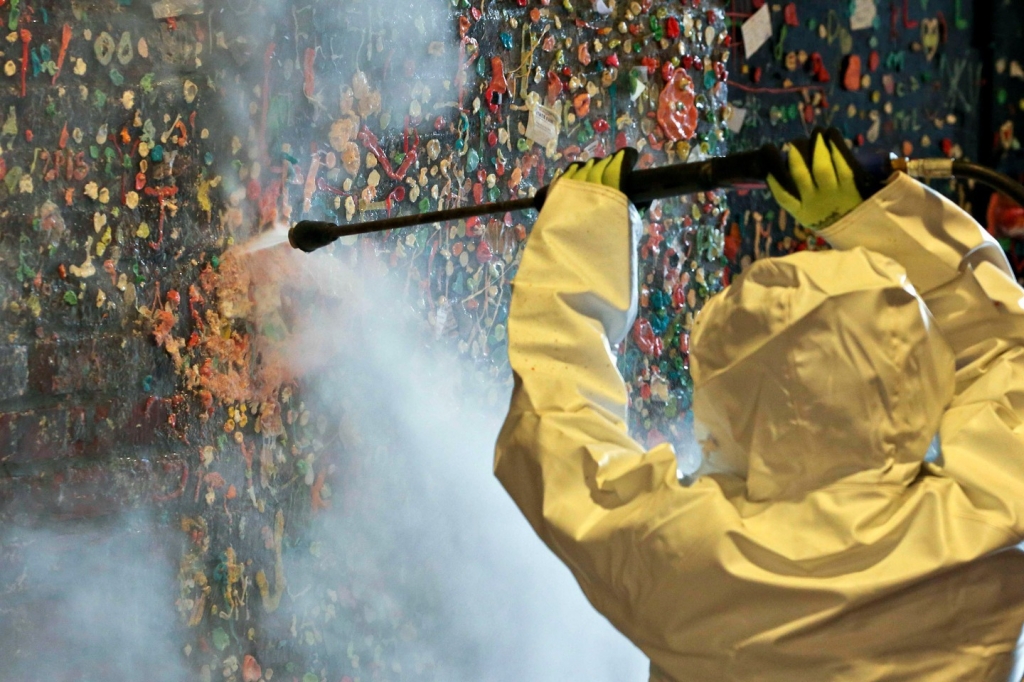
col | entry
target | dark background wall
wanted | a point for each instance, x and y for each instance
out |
(1000, 33)
(922, 90)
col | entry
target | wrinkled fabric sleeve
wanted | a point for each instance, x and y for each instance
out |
(963, 276)
(593, 494)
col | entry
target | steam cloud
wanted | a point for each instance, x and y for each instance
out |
(422, 526)
(89, 605)
(507, 609)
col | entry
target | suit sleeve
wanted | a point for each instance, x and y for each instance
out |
(611, 510)
(963, 276)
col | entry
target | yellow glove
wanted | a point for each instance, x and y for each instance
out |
(609, 171)
(834, 185)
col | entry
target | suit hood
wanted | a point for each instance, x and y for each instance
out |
(817, 367)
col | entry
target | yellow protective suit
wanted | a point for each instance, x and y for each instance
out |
(828, 550)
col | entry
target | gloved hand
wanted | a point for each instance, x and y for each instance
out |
(823, 181)
(610, 171)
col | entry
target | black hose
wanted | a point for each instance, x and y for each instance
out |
(987, 176)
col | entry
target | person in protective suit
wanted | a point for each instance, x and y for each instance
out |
(825, 547)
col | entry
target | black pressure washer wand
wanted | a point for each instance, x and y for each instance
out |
(743, 170)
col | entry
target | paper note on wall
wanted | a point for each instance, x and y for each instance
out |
(542, 126)
(167, 9)
(757, 30)
(737, 116)
(863, 15)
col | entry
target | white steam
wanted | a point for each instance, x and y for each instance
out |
(506, 608)
(93, 605)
